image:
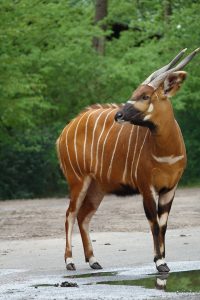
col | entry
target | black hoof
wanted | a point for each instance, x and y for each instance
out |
(163, 268)
(96, 266)
(71, 267)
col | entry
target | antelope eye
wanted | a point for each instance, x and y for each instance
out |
(145, 97)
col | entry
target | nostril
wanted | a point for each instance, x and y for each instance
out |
(119, 115)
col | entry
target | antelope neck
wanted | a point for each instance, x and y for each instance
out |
(167, 140)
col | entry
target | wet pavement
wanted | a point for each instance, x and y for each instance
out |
(32, 248)
(129, 283)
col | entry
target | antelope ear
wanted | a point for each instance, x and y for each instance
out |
(173, 82)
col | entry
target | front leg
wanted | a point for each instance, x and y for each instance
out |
(150, 208)
(164, 206)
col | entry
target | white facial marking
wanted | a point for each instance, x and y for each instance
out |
(92, 260)
(69, 260)
(160, 262)
(163, 219)
(131, 102)
(150, 109)
(168, 159)
(147, 117)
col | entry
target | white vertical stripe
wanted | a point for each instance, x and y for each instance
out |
(92, 145)
(110, 167)
(79, 178)
(136, 141)
(140, 153)
(99, 105)
(115, 105)
(129, 143)
(104, 124)
(86, 131)
(114, 123)
(75, 137)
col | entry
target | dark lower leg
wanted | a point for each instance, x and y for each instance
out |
(163, 213)
(151, 214)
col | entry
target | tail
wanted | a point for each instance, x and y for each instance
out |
(59, 155)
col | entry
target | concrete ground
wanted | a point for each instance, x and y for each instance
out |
(32, 247)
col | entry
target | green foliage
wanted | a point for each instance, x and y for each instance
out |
(50, 71)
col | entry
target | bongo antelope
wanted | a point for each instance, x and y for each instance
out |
(123, 149)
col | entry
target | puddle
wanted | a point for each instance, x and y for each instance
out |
(63, 284)
(187, 281)
(45, 285)
(88, 275)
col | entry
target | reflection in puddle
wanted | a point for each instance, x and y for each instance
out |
(88, 275)
(63, 284)
(187, 281)
(45, 285)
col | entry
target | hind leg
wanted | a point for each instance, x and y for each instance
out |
(90, 205)
(77, 195)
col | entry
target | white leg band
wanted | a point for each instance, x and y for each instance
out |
(69, 260)
(92, 260)
(161, 282)
(160, 262)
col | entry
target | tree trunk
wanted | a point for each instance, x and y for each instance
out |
(101, 8)
(167, 10)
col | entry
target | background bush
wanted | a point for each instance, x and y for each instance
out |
(50, 71)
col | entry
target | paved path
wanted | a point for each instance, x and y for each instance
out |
(32, 247)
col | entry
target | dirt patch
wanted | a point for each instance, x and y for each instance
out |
(22, 219)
